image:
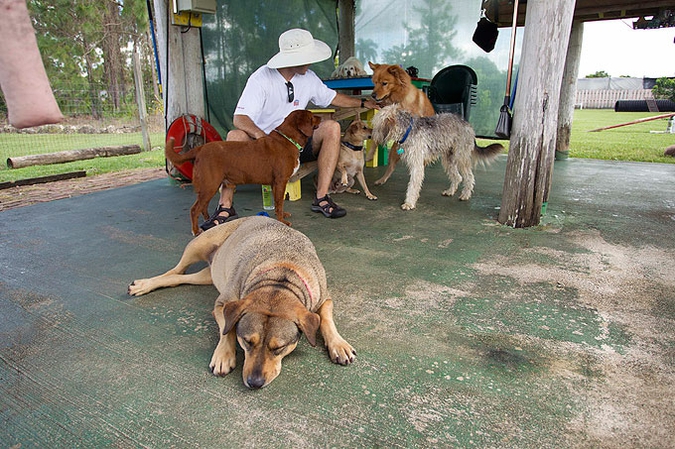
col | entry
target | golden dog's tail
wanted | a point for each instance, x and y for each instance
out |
(179, 158)
(486, 154)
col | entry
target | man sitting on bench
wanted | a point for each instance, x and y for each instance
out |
(272, 92)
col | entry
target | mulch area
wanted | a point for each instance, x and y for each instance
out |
(20, 196)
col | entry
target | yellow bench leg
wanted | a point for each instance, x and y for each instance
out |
(293, 192)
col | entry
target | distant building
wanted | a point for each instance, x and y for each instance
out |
(603, 93)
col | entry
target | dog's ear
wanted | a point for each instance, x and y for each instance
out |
(308, 124)
(233, 311)
(401, 76)
(308, 323)
(373, 66)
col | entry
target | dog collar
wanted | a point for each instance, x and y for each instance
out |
(297, 145)
(352, 147)
(407, 132)
(400, 150)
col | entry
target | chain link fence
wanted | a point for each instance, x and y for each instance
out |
(94, 117)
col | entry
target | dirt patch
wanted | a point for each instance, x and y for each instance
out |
(629, 406)
(40, 193)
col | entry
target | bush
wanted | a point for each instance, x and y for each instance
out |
(665, 89)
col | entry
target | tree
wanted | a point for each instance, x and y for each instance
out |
(490, 95)
(429, 46)
(665, 89)
(85, 47)
(366, 50)
(599, 74)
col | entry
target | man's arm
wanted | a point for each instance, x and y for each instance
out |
(23, 79)
(244, 123)
(346, 101)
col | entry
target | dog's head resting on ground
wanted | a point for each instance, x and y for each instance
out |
(272, 289)
(269, 322)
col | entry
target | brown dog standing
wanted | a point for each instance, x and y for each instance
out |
(272, 287)
(269, 160)
(351, 161)
(392, 85)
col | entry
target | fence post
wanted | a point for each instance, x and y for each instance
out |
(140, 99)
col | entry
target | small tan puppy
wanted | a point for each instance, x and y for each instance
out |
(351, 161)
(351, 68)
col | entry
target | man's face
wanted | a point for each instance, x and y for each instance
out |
(302, 69)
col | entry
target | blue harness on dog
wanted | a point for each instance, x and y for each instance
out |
(401, 150)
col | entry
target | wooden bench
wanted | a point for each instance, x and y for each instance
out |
(293, 190)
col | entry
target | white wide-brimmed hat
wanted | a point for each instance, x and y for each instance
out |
(298, 47)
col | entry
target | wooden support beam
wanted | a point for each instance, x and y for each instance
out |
(183, 89)
(347, 9)
(535, 113)
(568, 91)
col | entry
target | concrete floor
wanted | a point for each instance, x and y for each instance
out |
(468, 333)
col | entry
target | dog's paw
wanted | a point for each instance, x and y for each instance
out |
(380, 182)
(139, 287)
(465, 196)
(371, 197)
(448, 192)
(222, 362)
(407, 206)
(341, 352)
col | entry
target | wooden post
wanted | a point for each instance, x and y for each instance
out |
(140, 100)
(535, 114)
(347, 25)
(568, 91)
(183, 90)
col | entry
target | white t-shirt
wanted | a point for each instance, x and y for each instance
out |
(265, 96)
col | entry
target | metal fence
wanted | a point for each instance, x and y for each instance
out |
(88, 124)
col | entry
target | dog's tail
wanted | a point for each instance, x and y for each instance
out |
(178, 158)
(482, 155)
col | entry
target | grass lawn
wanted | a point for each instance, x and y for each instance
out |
(13, 145)
(628, 143)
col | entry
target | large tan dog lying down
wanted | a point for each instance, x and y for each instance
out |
(272, 288)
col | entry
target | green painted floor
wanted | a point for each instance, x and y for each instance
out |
(468, 333)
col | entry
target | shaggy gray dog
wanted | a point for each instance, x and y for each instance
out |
(423, 140)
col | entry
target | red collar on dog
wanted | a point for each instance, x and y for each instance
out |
(297, 145)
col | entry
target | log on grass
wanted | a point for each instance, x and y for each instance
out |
(43, 179)
(70, 156)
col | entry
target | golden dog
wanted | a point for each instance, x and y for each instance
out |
(270, 160)
(351, 68)
(392, 85)
(351, 161)
(272, 288)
